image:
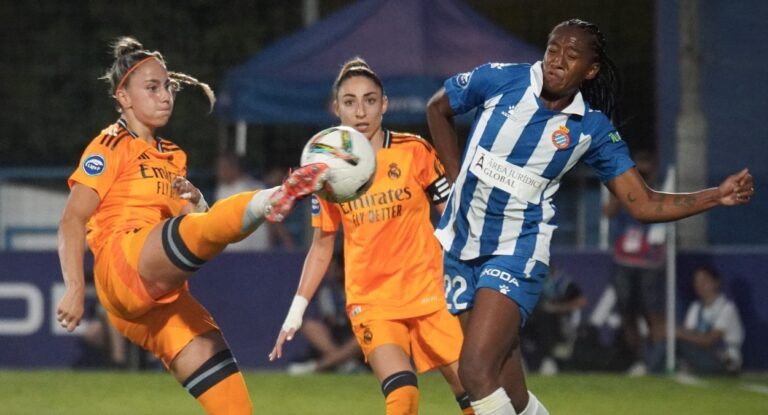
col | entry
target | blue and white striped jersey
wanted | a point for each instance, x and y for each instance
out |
(515, 156)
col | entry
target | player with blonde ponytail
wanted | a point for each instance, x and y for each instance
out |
(149, 229)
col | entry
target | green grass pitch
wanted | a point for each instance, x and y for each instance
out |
(115, 393)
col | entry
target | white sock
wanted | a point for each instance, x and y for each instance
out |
(534, 406)
(497, 403)
(256, 209)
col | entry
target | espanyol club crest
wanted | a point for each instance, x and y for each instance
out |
(94, 165)
(560, 138)
(462, 79)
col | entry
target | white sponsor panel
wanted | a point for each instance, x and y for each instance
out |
(515, 180)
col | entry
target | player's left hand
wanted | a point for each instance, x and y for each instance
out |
(284, 336)
(737, 189)
(186, 190)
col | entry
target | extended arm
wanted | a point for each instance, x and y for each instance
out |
(315, 266)
(443, 132)
(648, 205)
(81, 204)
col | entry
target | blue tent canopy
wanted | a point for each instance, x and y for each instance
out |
(412, 45)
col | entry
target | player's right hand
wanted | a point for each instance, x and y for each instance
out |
(71, 308)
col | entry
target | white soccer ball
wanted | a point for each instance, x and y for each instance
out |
(351, 159)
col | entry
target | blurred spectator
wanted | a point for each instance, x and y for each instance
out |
(712, 334)
(638, 277)
(102, 345)
(550, 333)
(231, 178)
(327, 329)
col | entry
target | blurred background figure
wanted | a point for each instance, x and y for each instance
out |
(326, 328)
(549, 336)
(638, 275)
(232, 178)
(101, 345)
(712, 334)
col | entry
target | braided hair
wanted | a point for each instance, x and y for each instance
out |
(602, 92)
(128, 53)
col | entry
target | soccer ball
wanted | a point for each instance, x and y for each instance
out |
(351, 159)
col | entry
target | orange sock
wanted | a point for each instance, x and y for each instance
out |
(403, 401)
(229, 396)
(229, 220)
(219, 386)
(401, 393)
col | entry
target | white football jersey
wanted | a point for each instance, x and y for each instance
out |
(516, 154)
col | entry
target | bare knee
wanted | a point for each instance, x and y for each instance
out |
(196, 353)
(476, 375)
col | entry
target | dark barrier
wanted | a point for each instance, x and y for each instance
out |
(249, 293)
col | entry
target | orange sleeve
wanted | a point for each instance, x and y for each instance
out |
(99, 166)
(325, 215)
(430, 173)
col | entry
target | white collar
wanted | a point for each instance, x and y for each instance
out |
(576, 106)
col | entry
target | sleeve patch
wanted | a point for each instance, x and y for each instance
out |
(94, 165)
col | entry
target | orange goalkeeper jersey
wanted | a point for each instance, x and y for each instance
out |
(393, 262)
(133, 180)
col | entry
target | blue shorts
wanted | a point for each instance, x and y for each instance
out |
(519, 278)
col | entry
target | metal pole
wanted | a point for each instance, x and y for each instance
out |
(310, 11)
(671, 271)
(691, 124)
(604, 226)
(241, 138)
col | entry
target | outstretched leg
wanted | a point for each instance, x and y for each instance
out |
(300, 183)
(182, 244)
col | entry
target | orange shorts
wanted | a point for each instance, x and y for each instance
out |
(432, 340)
(163, 326)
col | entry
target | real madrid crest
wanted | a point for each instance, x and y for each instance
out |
(560, 138)
(394, 171)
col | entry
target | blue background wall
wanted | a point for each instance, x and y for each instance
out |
(249, 294)
(734, 87)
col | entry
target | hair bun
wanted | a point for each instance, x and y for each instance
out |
(125, 45)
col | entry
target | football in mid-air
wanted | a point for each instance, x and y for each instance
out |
(351, 159)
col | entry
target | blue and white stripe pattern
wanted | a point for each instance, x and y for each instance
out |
(482, 219)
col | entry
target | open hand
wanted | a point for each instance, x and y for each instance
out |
(284, 336)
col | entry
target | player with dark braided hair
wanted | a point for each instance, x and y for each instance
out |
(533, 124)
(604, 89)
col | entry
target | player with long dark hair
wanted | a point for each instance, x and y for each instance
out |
(392, 261)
